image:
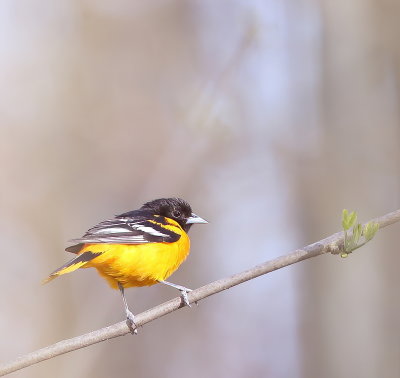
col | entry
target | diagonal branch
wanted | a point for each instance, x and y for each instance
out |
(331, 244)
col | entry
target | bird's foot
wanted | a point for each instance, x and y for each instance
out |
(184, 292)
(184, 295)
(130, 322)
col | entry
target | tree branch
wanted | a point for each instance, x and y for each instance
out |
(332, 244)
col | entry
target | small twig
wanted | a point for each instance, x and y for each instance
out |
(331, 244)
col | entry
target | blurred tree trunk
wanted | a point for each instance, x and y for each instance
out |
(350, 307)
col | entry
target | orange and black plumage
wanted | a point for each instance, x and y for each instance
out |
(138, 248)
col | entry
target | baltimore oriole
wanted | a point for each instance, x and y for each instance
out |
(139, 248)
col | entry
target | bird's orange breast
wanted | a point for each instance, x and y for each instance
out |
(139, 264)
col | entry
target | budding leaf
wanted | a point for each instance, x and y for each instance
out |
(348, 220)
(370, 229)
(357, 231)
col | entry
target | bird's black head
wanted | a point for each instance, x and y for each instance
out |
(176, 209)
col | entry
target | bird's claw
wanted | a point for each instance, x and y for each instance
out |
(184, 296)
(130, 322)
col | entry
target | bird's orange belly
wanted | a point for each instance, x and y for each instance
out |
(138, 264)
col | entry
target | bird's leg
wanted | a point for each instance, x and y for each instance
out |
(129, 316)
(184, 291)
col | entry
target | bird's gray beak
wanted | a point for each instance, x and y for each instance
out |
(195, 219)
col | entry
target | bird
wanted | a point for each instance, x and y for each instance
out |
(138, 248)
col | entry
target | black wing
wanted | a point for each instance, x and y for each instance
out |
(125, 230)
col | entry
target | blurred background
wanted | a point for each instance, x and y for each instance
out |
(269, 117)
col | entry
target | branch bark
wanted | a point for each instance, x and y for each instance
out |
(331, 244)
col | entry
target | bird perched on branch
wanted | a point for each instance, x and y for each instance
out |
(139, 248)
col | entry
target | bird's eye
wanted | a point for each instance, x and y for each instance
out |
(176, 213)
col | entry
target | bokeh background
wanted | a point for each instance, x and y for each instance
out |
(269, 117)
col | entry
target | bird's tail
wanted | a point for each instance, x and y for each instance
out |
(76, 263)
